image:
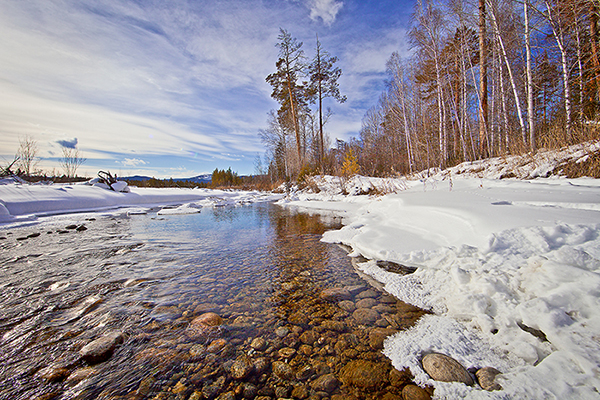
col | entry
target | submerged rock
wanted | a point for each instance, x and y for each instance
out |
(241, 368)
(365, 374)
(446, 369)
(414, 392)
(204, 326)
(365, 316)
(102, 348)
(336, 294)
(325, 383)
(377, 337)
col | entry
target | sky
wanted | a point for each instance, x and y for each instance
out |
(175, 88)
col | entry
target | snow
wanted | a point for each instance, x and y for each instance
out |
(21, 202)
(510, 269)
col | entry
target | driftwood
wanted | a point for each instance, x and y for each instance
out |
(5, 171)
(107, 178)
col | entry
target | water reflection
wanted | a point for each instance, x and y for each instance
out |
(262, 269)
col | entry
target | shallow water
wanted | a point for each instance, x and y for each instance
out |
(261, 268)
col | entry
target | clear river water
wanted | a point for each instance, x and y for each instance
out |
(294, 319)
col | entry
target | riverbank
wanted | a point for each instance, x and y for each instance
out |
(510, 269)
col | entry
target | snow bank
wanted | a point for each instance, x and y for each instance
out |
(20, 201)
(510, 268)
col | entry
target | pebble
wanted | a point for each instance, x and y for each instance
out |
(282, 332)
(259, 344)
(283, 370)
(369, 293)
(446, 369)
(377, 337)
(347, 305)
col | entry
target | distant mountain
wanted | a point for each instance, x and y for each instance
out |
(206, 178)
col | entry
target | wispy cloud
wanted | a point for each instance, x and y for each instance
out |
(133, 162)
(183, 81)
(326, 10)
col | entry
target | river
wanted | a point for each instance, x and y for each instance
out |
(295, 319)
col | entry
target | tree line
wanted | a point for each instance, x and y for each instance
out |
(25, 163)
(483, 79)
(487, 79)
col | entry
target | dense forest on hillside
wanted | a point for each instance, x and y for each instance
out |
(484, 79)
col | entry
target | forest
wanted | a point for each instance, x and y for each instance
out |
(483, 79)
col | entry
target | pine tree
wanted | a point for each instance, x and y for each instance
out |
(287, 89)
(323, 83)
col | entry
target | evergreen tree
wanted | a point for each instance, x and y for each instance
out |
(287, 89)
(323, 83)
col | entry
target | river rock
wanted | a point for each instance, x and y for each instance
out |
(300, 392)
(347, 305)
(309, 337)
(216, 346)
(355, 289)
(336, 294)
(365, 294)
(241, 368)
(286, 352)
(208, 319)
(283, 370)
(53, 373)
(282, 332)
(377, 337)
(203, 326)
(414, 392)
(364, 374)
(325, 383)
(446, 369)
(79, 375)
(366, 303)
(486, 377)
(259, 344)
(102, 348)
(332, 325)
(261, 365)
(365, 316)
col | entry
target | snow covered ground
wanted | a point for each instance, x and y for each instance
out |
(24, 203)
(510, 269)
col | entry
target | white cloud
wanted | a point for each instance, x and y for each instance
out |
(325, 9)
(133, 162)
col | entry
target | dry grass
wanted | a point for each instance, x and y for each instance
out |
(588, 166)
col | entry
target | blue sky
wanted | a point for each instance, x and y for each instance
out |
(175, 88)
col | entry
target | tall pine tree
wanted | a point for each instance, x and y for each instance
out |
(287, 89)
(323, 83)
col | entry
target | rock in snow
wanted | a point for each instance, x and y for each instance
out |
(446, 369)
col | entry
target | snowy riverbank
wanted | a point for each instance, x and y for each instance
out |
(25, 203)
(500, 263)
(510, 268)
